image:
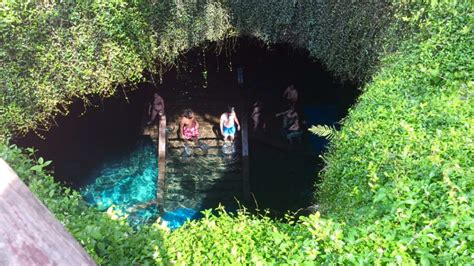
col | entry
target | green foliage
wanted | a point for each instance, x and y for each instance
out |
(108, 241)
(58, 52)
(402, 166)
(397, 187)
(325, 131)
(243, 238)
(347, 36)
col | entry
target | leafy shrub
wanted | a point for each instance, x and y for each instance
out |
(108, 241)
(397, 187)
(58, 52)
(61, 51)
(402, 165)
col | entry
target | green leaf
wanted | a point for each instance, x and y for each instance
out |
(37, 168)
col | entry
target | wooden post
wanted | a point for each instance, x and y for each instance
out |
(29, 232)
(245, 159)
(161, 182)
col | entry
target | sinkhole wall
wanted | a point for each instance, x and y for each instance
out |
(56, 52)
(397, 186)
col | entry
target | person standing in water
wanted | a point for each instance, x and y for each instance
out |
(189, 127)
(258, 117)
(291, 128)
(156, 107)
(227, 124)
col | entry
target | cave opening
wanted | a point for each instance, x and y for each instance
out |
(102, 152)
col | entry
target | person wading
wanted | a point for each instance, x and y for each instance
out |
(258, 117)
(291, 128)
(228, 124)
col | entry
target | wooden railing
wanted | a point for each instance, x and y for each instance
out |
(161, 182)
(29, 232)
(245, 159)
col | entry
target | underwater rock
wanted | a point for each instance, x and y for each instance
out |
(228, 148)
(188, 151)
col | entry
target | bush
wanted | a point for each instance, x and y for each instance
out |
(397, 187)
(402, 165)
(58, 52)
(108, 241)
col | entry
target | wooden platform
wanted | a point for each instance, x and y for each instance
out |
(29, 232)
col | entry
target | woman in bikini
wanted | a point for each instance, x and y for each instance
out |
(258, 117)
(156, 108)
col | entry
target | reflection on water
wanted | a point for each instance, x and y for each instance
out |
(202, 181)
(127, 182)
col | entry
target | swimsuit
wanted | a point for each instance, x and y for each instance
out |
(229, 131)
(190, 132)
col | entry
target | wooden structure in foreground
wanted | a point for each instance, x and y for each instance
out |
(29, 233)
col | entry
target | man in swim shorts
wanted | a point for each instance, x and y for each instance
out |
(227, 124)
(189, 127)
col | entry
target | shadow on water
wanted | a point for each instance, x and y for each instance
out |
(102, 154)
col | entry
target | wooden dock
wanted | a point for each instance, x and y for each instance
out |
(29, 232)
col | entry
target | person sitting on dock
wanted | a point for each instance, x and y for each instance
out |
(189, 127)
(291, 125)
(156, 107)
(291, 95)
(227, 124)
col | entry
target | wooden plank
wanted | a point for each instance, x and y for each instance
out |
(245, 159)
(29, 232)
(201, 139)
(161, 182)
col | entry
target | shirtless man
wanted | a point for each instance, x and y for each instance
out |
(291, 124)
(157, 107)
(291, 94)
(189, 127)
(227, 124)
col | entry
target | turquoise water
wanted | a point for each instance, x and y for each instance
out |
(175, 219)
(128, 183)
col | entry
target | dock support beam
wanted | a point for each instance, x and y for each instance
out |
(161, 182)
(245, 159)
